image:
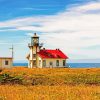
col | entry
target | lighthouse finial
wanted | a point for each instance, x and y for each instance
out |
(35, 34)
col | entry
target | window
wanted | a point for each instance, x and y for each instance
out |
(44, 63)
(50, 63)
(64, 62)
(36, 41)
(57, 62)
(34, 55)
(34, 62)
(6, 62)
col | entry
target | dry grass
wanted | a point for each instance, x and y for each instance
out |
(55, 76)
(20, 92)
(51, 84)
(52, 71)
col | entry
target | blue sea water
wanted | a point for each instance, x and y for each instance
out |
(84, 65)
(20, 64)
(71, 65)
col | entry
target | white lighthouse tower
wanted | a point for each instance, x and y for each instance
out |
(34, 48)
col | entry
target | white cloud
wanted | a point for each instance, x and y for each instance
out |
(91, 6)
(31, 8)
(72, 30)
(87, 7)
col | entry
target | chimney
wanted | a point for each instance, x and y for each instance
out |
(43, 48)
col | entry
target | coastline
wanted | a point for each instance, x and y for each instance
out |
(71, 65)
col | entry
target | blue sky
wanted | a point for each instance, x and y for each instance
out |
(22, 8)
(71, 25)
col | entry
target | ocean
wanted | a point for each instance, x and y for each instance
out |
(71, 65)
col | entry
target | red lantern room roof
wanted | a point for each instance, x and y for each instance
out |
(52, 54)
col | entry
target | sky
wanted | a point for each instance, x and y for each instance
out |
(70, 25)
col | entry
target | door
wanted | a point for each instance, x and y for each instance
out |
(34, 63)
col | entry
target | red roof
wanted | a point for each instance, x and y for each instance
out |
(6, 58)
(52, 54)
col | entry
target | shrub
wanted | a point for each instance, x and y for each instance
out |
(7, 79)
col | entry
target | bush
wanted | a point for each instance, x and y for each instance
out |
(1, 69)
(7, 79)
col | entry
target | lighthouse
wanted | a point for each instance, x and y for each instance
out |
(39, 57)
(34, 47)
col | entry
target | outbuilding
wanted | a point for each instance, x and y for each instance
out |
(6, 62)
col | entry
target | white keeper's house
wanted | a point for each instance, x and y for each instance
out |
(44, 58)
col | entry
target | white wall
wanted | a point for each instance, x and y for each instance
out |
(2, 61)
(54, 62)
(38, 63)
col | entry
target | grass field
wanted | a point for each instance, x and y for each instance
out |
(50, 84)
